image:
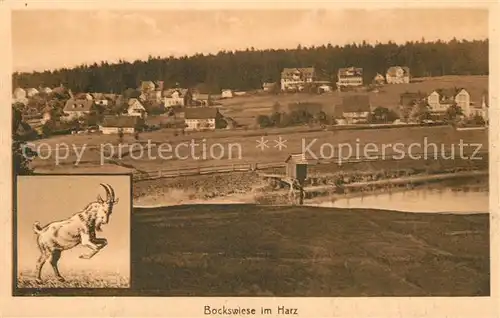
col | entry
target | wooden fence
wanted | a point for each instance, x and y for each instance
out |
(245, 167)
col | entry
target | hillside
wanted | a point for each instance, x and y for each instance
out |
(248, 250)
(245, 110)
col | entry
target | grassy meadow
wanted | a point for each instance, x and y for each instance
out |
(74, 279)
(248, 250)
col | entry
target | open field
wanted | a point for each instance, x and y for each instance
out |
(240, 149)
(245, 109)
(75, 279)
(302, 251)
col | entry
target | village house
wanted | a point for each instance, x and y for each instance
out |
(46, 114)
(76, 108)
(19, 96)
(30, 92)
(45, 90)
(174, 97)
(324, 88)
(19, 93)
(151, 91)
(350, 77)
(354, 109)
(202, 99)
(135, 108)
(115, 124)
(227, 93)
(398, 75)
(201, 118)
(481, 110)
(441, 99)
(268, 87)
(61, 90)
(378, 79)
(296, 78)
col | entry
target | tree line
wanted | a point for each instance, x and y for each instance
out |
(248, 69)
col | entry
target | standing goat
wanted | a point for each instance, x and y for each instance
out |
(80, 228)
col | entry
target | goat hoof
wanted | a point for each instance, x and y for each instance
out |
(61, 279)
(39, 281)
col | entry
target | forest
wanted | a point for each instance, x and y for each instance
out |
(248, 69)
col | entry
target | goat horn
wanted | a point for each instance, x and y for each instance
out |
(108, 193)
(112, 191)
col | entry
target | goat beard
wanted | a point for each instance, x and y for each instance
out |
(98, 227)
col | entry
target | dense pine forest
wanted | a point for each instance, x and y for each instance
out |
(246, 70)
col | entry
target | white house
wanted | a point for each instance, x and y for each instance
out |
(76, 108)
(227, 93)
(19, 96)
(379, 79)
(296, 78)
(113, 124)
(267, 87)
(350, 77)
(325, 88)
(135, 108)
(30, 92)
(201, 118)
(45, 90)
(354, 109)
(482, 110)
(440, 100)
(398, 75)
(174, 97)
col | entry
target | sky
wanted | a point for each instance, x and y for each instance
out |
(52, 39)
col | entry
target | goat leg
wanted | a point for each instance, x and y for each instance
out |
(98, 244)
(56, 255)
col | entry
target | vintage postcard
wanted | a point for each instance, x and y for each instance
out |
(267, 160)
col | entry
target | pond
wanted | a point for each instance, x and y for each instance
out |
(440, 198)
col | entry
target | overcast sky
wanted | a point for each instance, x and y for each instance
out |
(53, 39)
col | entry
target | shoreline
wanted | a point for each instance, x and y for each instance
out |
(320, 193)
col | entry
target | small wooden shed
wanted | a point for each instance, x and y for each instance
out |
(296, 166)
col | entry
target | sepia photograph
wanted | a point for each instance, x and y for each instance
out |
(329, 152)
(73, 232)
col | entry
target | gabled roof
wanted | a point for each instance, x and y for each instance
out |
(350, 71)
(391, 71)
(80, 105)
(448, 92)
(168, 93)
(32, 90)
(200, 112)
(303, 71)
(120, 121)
(133, 101)
(147, 85)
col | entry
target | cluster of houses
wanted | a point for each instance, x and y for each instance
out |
(196, 109)
(82, 105)
(355, 108)
(295, 79)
